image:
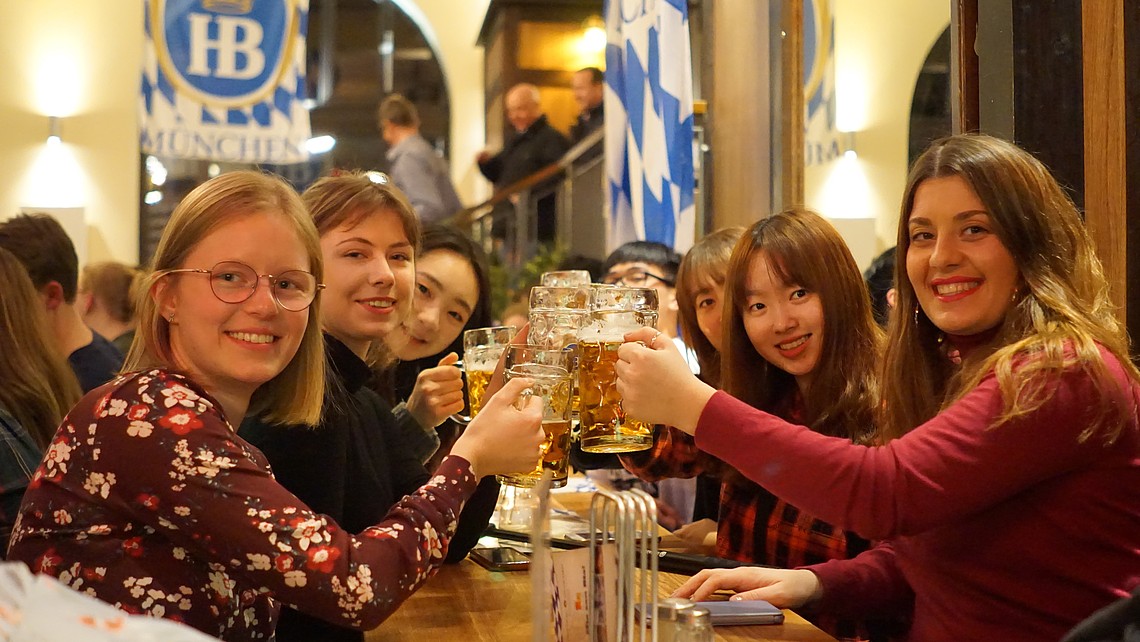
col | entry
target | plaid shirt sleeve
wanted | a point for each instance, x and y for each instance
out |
(674, 454)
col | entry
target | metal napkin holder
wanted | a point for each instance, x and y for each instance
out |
(629, 519)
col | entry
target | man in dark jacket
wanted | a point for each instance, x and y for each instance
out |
(589, 91)
(534, 146)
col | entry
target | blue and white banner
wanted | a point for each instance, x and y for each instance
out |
(224, 80)
(822, 142)
(649, 122)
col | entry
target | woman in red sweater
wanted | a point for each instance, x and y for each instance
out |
(1008, 483)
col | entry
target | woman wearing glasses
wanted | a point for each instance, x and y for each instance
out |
(148, 500)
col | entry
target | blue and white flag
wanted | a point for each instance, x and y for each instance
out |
(224, 80)
(649, 122)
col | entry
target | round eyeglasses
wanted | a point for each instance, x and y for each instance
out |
(235, 282)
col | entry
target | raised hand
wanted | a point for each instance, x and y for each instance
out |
(438, 393)
(648, 364)
(507, 434)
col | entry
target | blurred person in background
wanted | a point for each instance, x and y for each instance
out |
(107, 301)
(42, 245)
(37, 387)
(534, 145)
(415, 167)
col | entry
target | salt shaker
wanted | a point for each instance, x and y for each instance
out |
(668, 617)
(694, 625)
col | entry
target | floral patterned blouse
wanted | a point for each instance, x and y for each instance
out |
(147, 499)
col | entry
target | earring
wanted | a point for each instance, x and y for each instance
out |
(170, 319)
(916, 315)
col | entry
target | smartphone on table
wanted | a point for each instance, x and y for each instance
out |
(500, 558)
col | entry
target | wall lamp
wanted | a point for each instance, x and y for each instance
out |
(53, 131)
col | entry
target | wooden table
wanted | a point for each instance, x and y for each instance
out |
(467, 602)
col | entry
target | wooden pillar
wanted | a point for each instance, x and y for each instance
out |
(738, 68)
(1074, 104)
(964, 67)
(1106, 198)
(791, 105)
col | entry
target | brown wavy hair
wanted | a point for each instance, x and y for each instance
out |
(804, 249)
(37, 386)
(1061, 315)
(706, 261)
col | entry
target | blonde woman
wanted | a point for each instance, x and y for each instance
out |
(147, 498)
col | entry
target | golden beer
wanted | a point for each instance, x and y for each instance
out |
(477, 381)
(555, 457)
(605, 428)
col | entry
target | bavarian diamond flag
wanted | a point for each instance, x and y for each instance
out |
(224, 80)
(649, 122)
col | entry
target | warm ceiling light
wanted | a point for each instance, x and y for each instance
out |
(594, 34)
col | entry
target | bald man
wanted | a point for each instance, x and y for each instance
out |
(534, 145)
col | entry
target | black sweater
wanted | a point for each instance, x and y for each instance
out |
(352, 467)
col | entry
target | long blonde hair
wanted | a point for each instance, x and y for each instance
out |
(295, 395)
(37, 386)
(1060, 317)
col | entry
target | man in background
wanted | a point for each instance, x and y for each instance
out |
(415, 167)
(534, 145)
(589, 90)
(41, 244)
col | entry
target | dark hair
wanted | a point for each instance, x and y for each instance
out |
(583, 262)
(44, 248)
(597, 76)
(802, 248)
(399, 111)
(436, 238)
(650, 252)
(880, 278)
(38, 385)
(440, 237)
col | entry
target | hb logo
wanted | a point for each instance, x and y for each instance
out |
(224, 53)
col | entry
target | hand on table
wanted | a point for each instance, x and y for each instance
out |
(700, 534)
(787, 589)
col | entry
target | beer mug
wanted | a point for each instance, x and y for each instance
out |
(556, 316)
(605, 427)
(482, 348)
(549, 371)
(566, 278)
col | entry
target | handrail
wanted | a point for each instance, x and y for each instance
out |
(467, 215)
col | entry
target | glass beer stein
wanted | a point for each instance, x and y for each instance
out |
(482, 348)
(549, 370)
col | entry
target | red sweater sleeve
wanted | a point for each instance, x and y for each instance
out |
(867, 585)
(951, 466)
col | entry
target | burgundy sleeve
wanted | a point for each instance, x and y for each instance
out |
(869, 585)
(951, 466)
